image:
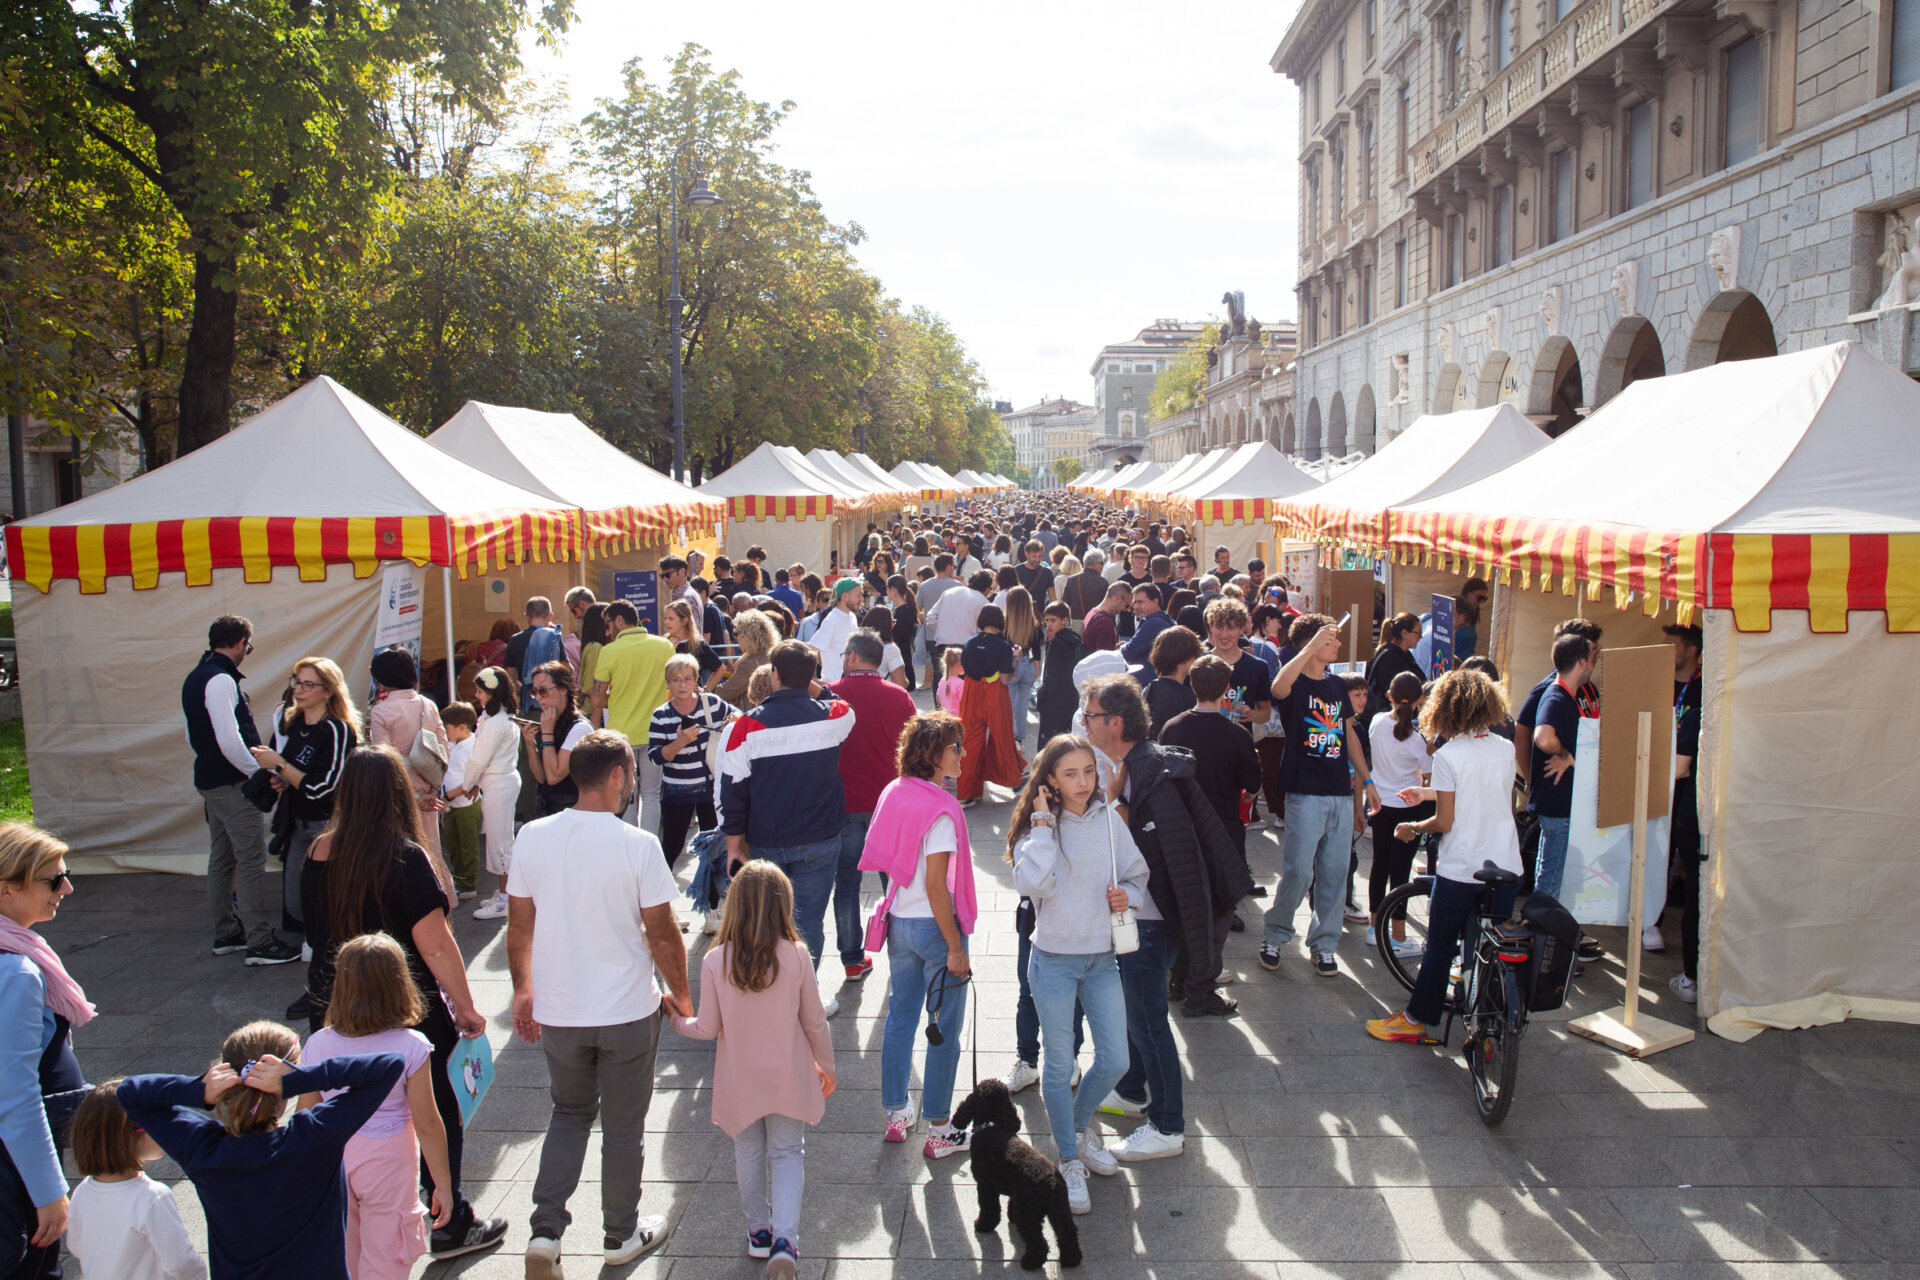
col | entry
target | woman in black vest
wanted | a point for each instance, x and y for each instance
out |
(550, 743)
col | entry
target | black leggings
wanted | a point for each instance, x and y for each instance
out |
(1392, 859)
(439, 1030)
(676, 818)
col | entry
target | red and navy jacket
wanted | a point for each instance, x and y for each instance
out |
(780, 773)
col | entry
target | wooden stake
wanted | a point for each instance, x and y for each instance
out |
(1623, 1028)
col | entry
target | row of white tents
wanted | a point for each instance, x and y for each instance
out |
(1775, 503)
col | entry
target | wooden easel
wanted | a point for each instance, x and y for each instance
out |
(1624, 1028)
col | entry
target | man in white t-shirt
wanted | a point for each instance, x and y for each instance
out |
(590, 933)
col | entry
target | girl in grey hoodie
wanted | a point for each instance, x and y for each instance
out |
(1074, 859)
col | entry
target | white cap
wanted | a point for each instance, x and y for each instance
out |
(1107, 662)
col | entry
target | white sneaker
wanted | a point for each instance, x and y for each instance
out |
(831, 1006)
(1372, 937)
(648, 1234)
(1020, 1075)
(1650, 939)
(1148, 1143)
(1684, 987)
(1078, 1071)
(711, 925)
(1408, 947)
(494, 908)
(306, 953)
(543, 1258)
(1075, 1174)
(1115, 1105)
(1093, 1153)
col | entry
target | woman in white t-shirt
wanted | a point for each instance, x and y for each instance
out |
(1472, 793)
(1402, 761)
(893, 665)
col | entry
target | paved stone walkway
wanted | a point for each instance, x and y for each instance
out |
(1311, 1149)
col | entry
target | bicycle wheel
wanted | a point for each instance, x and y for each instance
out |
(1493, 1040)
(1409, 902)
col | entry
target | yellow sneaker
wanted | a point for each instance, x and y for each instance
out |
(1397, 1028)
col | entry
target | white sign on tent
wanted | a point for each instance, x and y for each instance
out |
(1600, 859)
(402, 608)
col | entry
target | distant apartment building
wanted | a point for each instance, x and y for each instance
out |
(1066, 435)
(1539, 202)
(1123, 377)
(1247, 394)
(1025, 428)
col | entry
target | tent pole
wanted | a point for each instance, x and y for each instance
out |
(446, 593)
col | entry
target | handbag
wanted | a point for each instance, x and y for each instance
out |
(877, 922)
(428, 755)
(1126, 931)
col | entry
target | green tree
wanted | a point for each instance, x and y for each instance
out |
(1066, 470)
(262, 124)
(1183, 383)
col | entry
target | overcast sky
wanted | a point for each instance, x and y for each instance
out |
(1048, 175)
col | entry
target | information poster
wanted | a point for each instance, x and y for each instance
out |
(1441, 636)
(402, 607)
(641, 589)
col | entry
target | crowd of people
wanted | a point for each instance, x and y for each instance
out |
(1141, 713)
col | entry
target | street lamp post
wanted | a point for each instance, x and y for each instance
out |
(932, 415)
(865, 414)
(700, 196)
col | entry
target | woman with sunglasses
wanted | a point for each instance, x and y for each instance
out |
(40, 1081)
(310, 744)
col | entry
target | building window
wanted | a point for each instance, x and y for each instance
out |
(1743, 100)
(1456, 252)
(1339, 306)
(1340, 68)
(1399, 274)
(1905, 53)
(1313, 200)
(1126, 424)
(1126, 394)
(1113, 366)
(1456, 71)
(1639, 155)
(1502, 237)
(1369, 28)
(1405, 122)
(1502, 33)
(1316, 97)
(1337, 166)
(1561, 8)
(1366, 294)
(1366, 159)
(1560, 224)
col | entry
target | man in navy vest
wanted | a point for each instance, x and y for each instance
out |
(220, 729)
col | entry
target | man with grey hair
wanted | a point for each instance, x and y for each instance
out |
(868, 763)
(1084, 591)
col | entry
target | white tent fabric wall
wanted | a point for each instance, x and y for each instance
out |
(1807, 916)
(112, 773)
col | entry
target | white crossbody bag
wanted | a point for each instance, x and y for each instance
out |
(1126, 933)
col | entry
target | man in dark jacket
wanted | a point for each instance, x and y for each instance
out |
(1055, 700)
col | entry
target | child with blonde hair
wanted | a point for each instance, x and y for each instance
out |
(954, 681)
(774, 1070)
(122, 1223)
(275, 1195)
(374, 1005)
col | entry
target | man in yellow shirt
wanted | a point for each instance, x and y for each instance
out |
(629, 681)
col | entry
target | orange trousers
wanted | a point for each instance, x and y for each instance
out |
(992, 752)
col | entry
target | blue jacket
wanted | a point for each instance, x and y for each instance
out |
(780, 773)
(1140, 648)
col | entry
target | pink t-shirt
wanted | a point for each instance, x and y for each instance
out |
(393, 1116)
(949, 693)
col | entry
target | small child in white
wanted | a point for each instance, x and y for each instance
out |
(122, 1223)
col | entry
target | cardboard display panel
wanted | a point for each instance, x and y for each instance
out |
(1344, 591)
(1632, 681)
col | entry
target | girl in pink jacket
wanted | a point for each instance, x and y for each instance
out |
(774, 1070)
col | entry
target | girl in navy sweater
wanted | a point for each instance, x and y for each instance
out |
(275, 1196)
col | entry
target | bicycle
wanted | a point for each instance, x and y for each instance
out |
(1489, 993)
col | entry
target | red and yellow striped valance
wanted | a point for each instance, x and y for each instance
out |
(1827, 574)
(621, 529)
(91, 554)
(768, 507)
(1363, 531)
(1231, 510)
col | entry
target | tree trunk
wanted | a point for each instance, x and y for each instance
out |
(206, 374)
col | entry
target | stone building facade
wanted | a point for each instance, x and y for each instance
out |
(1123, 377)
(1539, 202)
(1248, 394)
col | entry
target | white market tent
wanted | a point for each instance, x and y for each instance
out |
(289, 520)
(1128, 491)
(1159, 494)
(1777, 501)
(888, 495)
(942, 477)
(934, 490)
(878, 474)
(1112, 479)
(777, 500)
(1438, 453)
(973, 480)
(1232, 505)
(633, 515)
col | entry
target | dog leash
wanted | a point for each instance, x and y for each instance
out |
(944, 981)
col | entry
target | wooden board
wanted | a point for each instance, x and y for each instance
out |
(1345, 591)
(1632, 681)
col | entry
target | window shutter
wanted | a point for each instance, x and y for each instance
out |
(1743, 101)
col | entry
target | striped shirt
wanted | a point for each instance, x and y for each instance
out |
(688, 768)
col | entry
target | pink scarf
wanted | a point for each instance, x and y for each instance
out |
(905, 811)
(64, 995)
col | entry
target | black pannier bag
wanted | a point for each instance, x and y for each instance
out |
(1556, 937)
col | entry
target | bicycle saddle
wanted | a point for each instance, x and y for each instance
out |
(1494, 876)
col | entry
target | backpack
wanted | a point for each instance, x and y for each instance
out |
(1549, 969)
(544, 645)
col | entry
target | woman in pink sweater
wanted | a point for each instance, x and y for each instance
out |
(774, 1070)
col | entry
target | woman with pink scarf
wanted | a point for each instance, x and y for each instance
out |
(40, 1081)
(918, 840)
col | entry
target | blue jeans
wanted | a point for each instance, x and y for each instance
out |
(1093, 981)
(1026, 1021)
(1153, 1066)
(811, 868)
(1315, 847)
(1020, 688)
(1447, 913)
(849, 929)
(1551, 866)
(917, 952)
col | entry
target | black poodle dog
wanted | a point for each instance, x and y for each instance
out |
(1005, 1164)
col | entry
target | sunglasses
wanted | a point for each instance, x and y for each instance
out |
(55, 881)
